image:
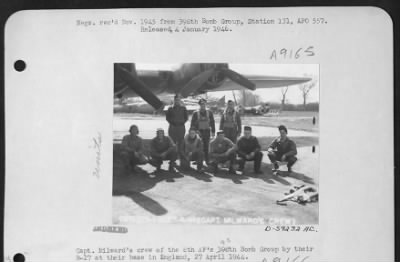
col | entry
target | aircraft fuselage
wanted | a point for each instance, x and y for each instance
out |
(167, 82)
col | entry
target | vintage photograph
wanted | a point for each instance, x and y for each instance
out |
(199, 134)
(216, 143)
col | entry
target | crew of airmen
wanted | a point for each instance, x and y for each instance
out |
(200, 143)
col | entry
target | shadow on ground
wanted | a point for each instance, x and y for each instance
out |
(271, 178)
(132, 184)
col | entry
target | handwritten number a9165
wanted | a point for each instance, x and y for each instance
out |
(284, 53)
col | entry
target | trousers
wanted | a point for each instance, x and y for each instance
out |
(277, 156)
(177, 134)
(157, 160)
(205, 135)
(196, 156)
(130, 159)
(257, 160)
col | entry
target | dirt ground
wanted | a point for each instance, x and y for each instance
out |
(183, 197)
(295, 120)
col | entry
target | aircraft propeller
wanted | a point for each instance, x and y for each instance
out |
(196, 82)
(238, 78)
(138, 86)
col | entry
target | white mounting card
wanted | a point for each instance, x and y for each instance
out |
(72, 78)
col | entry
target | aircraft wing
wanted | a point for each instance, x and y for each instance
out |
(262, 82)
(153, 78)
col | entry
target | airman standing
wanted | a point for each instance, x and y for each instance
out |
(177, 116)
(203, 122)
(230, 122)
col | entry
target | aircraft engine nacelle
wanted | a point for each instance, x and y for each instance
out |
(218, 78)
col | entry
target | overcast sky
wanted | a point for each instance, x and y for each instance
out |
(294, 95)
